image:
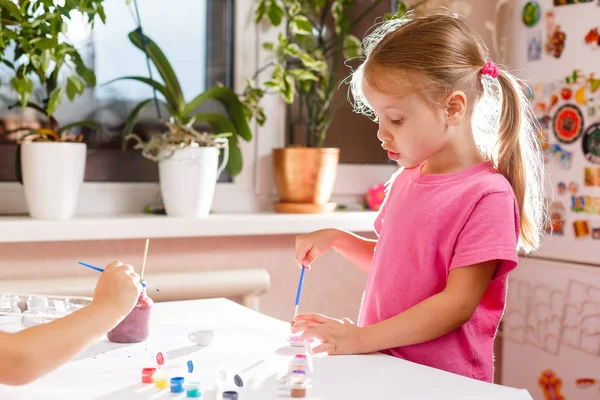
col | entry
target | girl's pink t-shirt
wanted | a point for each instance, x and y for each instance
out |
(427, 226)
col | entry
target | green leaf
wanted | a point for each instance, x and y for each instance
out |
(162, 64)
(88, 124)
(156, 85)
(261, 10)
(351, 47)
(132, 119)
(12, 9)
(337, 11)
(300, 25)
(24, 87)
(289, 90)
(221, 124)
(232, 104)
(87, 74)
(275, 13)
(44, 43)
(74, 87)
(401, 9)
(268, 46)
(302, 74)
(55, 100)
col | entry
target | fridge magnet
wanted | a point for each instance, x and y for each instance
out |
(591, 143)
(591, 176)
(569, 2)
(539, 108)
(596, 233)
(562, 188)
(529, 92)
(580, 96)
(534, 46)
(567, 123)
(545, 121)
(585, 383)
(574, 78)
(592, 205)
(592, 37)
(566, 159)
(577, 204)
(566, 93)
(551, 384)
(555, 38)
(573, 188)
(581, 229)
(531, 13)
(591, 108)
(553, 101)
(593, 83)
(556, 222)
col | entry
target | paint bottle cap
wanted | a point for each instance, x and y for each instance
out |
(300, 356)
(190, 366)
(230, 395)
(238, 380)
(161, 358)
(177, 384)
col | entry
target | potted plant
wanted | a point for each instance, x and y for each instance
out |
(305, 59)
(188, 159)
(50, 160)
(304, 63)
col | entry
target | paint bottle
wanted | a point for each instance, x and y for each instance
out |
(298, 390)
(135, 327)
(192, 389)
(147, 375)
(177, 384)
(230, 395)
(161, 380)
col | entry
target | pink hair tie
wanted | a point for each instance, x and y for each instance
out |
(490, 69)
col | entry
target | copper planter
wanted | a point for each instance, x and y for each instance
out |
(304, 178)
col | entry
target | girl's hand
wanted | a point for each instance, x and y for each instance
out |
(313, 245)
(336, 336)
(118, 289)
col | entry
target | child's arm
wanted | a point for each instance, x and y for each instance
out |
(29, 354)
(357, 249)
(427, 320)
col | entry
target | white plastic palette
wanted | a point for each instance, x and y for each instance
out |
(33, 309)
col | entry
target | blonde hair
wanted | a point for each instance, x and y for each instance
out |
(447, 55)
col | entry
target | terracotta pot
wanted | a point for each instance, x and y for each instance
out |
(304, 178)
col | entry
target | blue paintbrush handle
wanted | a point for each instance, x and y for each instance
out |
(299, 292)
(100, 270)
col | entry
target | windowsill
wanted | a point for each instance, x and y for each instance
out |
(15, 229)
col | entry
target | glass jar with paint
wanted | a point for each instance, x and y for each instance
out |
(135, 327)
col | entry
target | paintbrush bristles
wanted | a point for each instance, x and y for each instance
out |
(144, 261)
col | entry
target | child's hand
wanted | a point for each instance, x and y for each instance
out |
(336, 336)
(118, 289)
(313, 245)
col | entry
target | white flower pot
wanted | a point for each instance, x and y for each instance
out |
(188, 179)
(52, 176)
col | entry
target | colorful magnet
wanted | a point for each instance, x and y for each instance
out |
(575, 77)
(557, 213)
(567, 123)
(577, 204)
(591, 143)
(592, 37)
(545, 121)
(534, 46)
(551, 384)
(573, 188)
(566, 159)
(553, 101)
(593, 83)
(566, 93)
(591, 205)
(570, 2)
(562, 188)
(555, 43)
(581, 228)
(531, 13)
(596, 233)
(591, 176)
(580, 96)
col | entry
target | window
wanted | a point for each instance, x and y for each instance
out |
(197, 38)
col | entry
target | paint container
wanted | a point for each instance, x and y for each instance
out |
(298, 390)
(230, 395)
(161, 380)
(177, 384)
(147, 375)
(192, 390)
(135, 327)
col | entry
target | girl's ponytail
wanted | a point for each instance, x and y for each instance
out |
(519, 159)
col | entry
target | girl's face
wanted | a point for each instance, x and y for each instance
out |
(410, 128)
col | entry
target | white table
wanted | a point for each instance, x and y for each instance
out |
(253, 345)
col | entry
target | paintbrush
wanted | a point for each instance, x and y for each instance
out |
(298, 293)
(101, 270)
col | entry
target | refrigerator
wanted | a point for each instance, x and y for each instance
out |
(551, 327)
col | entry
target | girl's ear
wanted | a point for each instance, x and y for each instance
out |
(456, 107)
